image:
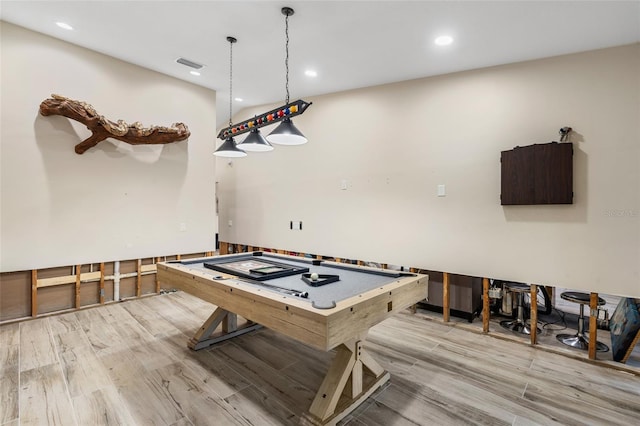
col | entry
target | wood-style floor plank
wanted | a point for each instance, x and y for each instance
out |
(150, 319)
(153, 354)
(102, 407)
(503, 404)
(9, 393)
(608, 382)
(64, 323)
(258, 408)
(82, 370)
(302, 352)
(9, 344)
(392, 361)
(100, 334)
(189, 395)
(219, 376)
(269, 353)
(394, 334)
(92, 315)
(307, 374)
(111, 313)
(374, 413)
(183, 422)
(184, 320)
(294, 395)
(44, 398)
(144, 399)
(128, 364)
(36, 345)
(435, 409)
(576, 408)
(9, 372)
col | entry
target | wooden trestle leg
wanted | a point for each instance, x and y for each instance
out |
(204, 336)
(345, 379)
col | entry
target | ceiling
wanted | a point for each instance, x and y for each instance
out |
(350, 44)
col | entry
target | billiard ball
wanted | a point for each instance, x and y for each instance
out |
(314, 277)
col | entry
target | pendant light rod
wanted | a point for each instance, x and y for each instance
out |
(287, 11)
(228, 147)
(231, 40)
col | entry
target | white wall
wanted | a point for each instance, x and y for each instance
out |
(116, 201)
(395, 143)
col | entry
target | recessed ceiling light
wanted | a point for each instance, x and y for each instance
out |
(194, 73)
(311, 73)
(238, 99)
(444, 40)
(64, 25)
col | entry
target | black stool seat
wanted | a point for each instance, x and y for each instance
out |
(582, 298)
(578, 340)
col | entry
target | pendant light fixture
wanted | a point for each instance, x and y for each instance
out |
(286, 133)
(228, 147)
(255, 142)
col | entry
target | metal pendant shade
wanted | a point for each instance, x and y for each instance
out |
(255, 142)
(229, 149)
(287, 134)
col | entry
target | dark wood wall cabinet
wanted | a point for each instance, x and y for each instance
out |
(537, 174)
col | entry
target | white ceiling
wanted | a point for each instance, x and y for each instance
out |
(350, 44)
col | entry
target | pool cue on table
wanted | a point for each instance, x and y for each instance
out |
(290, 291)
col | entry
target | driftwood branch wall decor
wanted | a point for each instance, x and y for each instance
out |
(102, 128)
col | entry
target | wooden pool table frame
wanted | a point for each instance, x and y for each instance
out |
(343, 327)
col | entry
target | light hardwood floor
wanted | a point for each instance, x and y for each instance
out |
(128, 364)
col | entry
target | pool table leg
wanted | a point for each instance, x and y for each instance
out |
(204, 336)
(345, 376)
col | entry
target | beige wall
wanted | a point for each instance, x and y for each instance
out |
(395, 143)
(116, 201)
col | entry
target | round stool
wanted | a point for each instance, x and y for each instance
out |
(578, 340)
(518, 325)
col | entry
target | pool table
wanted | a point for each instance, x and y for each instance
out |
(323, 304)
